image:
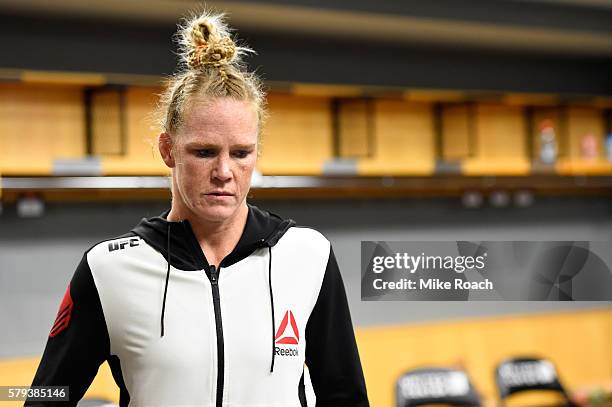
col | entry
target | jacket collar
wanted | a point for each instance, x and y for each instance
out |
(262, 229)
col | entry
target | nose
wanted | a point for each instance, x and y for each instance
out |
(222, 170)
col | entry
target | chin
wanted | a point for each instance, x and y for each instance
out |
(218, 213)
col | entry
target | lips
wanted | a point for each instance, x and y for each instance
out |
(219, 193)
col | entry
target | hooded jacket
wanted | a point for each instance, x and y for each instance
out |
(177, 331)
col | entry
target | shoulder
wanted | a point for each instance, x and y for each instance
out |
(121, 264)
(117, 244)
(305, 240)
(307, 235)
(122, 251)
(97, 262)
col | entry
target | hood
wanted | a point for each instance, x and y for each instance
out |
(262, 229)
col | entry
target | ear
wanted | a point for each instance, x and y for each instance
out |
(164, 142)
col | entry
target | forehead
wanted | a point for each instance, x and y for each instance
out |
(220, 119)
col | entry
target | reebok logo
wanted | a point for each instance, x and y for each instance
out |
(287, 334)
(280, 337)
(132, 242)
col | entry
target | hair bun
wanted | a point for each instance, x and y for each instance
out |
(215, 53)
(205, 40)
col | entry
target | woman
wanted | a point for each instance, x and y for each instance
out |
(215, 302)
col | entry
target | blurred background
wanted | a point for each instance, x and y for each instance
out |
(412, 120)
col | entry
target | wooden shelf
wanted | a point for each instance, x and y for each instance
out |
(583, 167)
(499, 167)
(124, 166)
(398, 169)
(471, 167)
(306, 187)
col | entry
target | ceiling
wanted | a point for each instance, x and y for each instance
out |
(565, 27)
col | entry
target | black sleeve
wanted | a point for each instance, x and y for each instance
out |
(78, 342)
(331, 351)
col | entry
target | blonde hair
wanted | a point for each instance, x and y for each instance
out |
(210, 67)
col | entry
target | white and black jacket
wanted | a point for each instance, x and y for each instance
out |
(177, 331)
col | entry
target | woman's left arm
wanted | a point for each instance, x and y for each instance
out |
(331, 351)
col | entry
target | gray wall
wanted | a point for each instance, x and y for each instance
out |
(38, 256)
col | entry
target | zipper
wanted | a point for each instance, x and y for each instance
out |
(213, 276)
(214, 282)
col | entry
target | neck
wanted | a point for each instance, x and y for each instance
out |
(217, 238)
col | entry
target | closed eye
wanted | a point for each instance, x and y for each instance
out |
(205, 153)
(241, 153)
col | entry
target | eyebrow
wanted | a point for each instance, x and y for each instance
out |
(196, 144)
(244, 146)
